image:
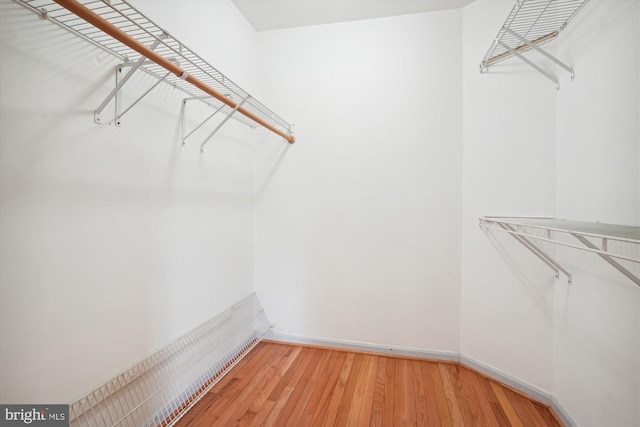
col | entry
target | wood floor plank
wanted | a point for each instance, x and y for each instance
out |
(546, 415)
(366, 404)
(281, 366)
(450, 395)
(513, 418)
(518, 404)
(441, 400)
(298, 381)
(334, 404)
(262, 414)
(336, 364)
(389, 392)
(277, 408)
(353, 418)
(433, 416)
(319, 365)
(377, 405)
(529, 406)
(346, 403)
(255, 382)
(290, 371)
(480, 407)
(287, 385)
(399, 396)
(420, 394)
(491, 397)
(463, 401)
(294, 408)
(410, 414)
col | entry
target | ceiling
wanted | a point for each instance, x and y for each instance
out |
(267, 15)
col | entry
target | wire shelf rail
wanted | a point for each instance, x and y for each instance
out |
(586, 233)
(123, 31)
(158, 391)
(532, 23)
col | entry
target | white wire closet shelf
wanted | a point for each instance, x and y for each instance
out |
(123, 31)
(160, 389)
(532, 23)
(584, 232)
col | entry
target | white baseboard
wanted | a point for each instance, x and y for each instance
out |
(449, 356)
(536, 393)
(562, 413)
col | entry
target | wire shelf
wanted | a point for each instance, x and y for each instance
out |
(124, 16)
(538, 21)
(521, 228)
(158, 391)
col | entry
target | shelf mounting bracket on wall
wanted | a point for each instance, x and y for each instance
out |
(120, 82)
(530, 24)
(519, 228)
(229, 115)
(554, 265)
(607, 258)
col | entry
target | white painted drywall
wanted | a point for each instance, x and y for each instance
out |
(508, 169)
(113, 240)
(597, 320)
(358, 224)
(532, 150)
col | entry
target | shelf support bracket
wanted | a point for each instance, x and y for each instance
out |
(97, 115)
(231, 113)
(537, 252)
(531, 64)
(119, 115)
(541, 51)
(184, 120)
(608, 259)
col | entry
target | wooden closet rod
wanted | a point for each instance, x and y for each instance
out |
(99, 22)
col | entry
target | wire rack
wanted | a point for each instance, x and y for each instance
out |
(538, 21)
(605, 240)
(128, 19)
(159, 390)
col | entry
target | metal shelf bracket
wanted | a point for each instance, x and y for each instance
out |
(542, 52)
(184, 120)
(222, 123)
(607, 258)
(120, 82)
(554, 265)
(531, 64)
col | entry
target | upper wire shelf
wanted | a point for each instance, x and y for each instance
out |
(531, 23)
(538, 21)
(123, 16)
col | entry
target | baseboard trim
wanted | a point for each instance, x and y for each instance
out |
(562, 413)
(534, 392)
(447, 356)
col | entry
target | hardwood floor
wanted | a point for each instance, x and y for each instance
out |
(288, 385)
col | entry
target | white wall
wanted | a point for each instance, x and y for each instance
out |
(113, 241)
(358, 224)
(532, 150)
(508, 169)
(597, 320)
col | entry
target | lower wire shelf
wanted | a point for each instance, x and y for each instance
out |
(159, 390)
(584, 232)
